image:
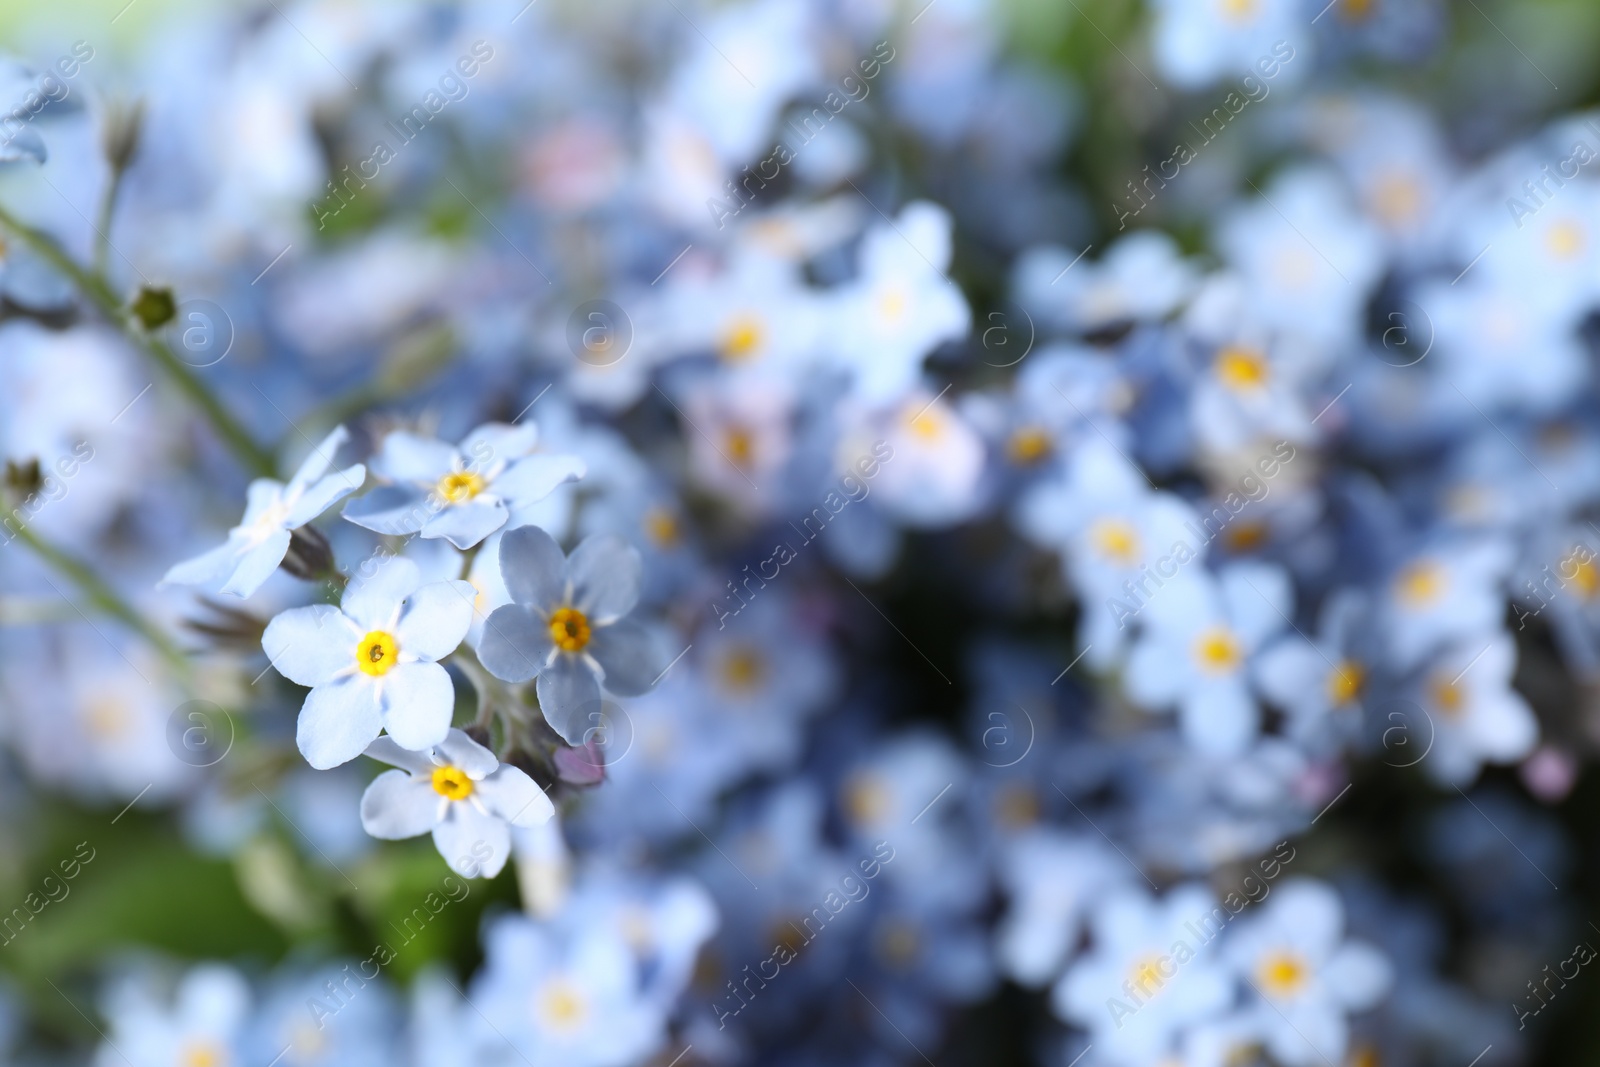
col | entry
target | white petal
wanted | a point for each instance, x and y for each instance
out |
(391, 510)
(604, 571)
(337, 721)
(627, 653)
(464, 525)
(498, 443)
(257, 563)
(472, 843)
(516, 798)
(209, 566)
(569, 696)
(310, 645)
(532, 479)
(323, 494)
(462, 751)
(397, 805)
(435, 619)
(405, 457)
(418, 701)
(373, 599)
(1359, 975)
(533, 567)
(385, 749)
(320, 459)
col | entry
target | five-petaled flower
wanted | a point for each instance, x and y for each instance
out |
(257, 545)
(457, 790)
(462, 494)
(565, 626)
(370, 662)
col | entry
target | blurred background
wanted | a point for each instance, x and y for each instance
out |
(1093, 468)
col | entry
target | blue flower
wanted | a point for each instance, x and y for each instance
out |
(462, 494)
(566, 626)
(257, 545)
(457, 790)
(370, 662)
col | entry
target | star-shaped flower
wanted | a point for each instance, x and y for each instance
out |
(370, 662)
(565, 626)
(461, 493)
(457, 790)
(257, 545)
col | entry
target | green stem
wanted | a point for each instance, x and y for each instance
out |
(94, 286)
(104, 597)
(108, 205)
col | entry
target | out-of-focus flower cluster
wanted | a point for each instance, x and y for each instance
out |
(862, 533)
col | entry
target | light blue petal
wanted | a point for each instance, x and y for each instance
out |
(628, 654)
(516, 643)
(24, 143)
(604, 571)
(418, 701)
(259, 496)
(496, 442)
(462, 751)
(310, 645)
(464, 525)
(320, 459)
(569, 695)
(338, 721)
(536, 477)
(405, 457)
(373, 599)
(472, 843)
(323, 494)
(516, 798)
(209, 566)
(435, 619)
(390, 509)
(1220, 719)
(397, 805)
(533, 567)
(386, 750)
(257, 564)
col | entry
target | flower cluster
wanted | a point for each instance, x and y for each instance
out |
(862, 533)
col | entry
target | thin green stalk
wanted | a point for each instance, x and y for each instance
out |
(108, 206)
(94, 286)
(103, 597)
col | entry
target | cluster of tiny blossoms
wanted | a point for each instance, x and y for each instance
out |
(856, 549)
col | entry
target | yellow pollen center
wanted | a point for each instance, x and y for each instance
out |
(569, 629)
(1584, 574)
(662, 526)
(204, 1054)
(1345, 683)
(1241, 368)
(458, 487)
(1245, 536)
(1447, 697)
(1238, 9)
(1146, 974)
(866, 799)
(744, 669)
(376, 653)
(1218, 651)
(892, 304)
(900, 944)
(1282, 974)
(742, 339)
(1396, 197)
(1420, 584)
(452, 783)
(926, 425)
(741, 445)
(1028, 445)
(562, 1006)
(1356, 10)
(1116, 539)
(1564, 240)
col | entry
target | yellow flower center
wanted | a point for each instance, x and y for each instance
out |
(1345, 683)
(1028, 444)
(1217, 651)
(1447, 697)
(1420, 584)
(742, 339)
(569, 629)
(892, 304)
(1241, 368)
(377, 653)
(1564, 239)
(1116, 539)
(1585, 575)
(1238, 10)
(1017, 806)
(203, 1054)
(561, 1006)
(740, 445)
(866, 799)
(1356, 10)
(1245, 536)
(662, 526)
(744, 669)
(926, 424)
(1145, 974)
(452, 782)
(1282, 974)
(1396, 197)
(899, 944)
(458, 487)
